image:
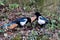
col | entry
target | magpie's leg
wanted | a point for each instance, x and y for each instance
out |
(31, 26)
(35, 24)
(37, 27)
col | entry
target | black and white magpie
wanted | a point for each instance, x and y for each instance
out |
(40, 19)
(22, 21)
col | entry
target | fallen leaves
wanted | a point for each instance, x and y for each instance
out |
(12, 26)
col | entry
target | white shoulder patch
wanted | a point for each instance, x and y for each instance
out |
(40, 21)
(23, 23)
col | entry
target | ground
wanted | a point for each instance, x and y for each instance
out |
(49, 32)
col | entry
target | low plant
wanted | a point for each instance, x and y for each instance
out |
(33, 35)
(18, 37)
(13, 6)
(27, 8)
(1, 3)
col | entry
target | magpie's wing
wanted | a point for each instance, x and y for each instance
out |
(21, 19)
(43, 18)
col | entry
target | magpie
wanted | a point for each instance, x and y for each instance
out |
(22, 21)
(40, 19)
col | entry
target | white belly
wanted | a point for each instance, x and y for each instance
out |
(41, 22)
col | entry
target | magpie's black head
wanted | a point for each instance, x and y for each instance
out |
(29, 19)
(37, 14)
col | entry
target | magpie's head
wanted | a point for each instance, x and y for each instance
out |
(37, 14)
(29, 19)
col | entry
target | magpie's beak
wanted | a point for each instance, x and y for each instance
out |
(33, 18)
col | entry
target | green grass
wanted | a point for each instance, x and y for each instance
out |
(18, 37)
(46, 12)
